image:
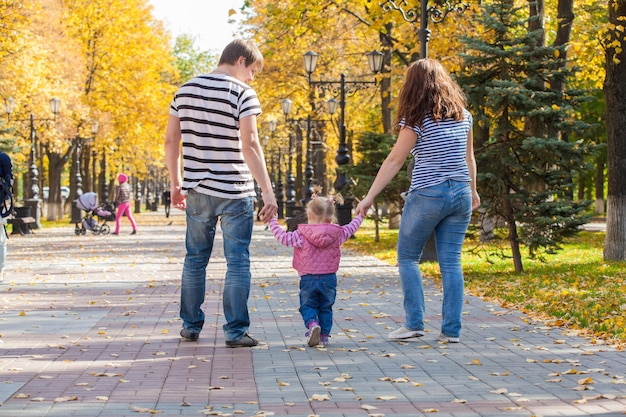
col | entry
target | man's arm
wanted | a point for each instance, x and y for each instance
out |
(172, 160)
(253, 155)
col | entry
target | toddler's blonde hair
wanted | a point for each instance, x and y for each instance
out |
(323, 208)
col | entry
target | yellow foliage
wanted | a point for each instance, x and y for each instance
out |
(108, 61)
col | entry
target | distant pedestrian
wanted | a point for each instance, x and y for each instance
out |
(436, 128)
(214, 116)
(316, 257)
(122, 199)
(167, 202)
(6, 191)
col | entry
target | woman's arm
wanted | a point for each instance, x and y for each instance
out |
(390, 167)
(471, 166)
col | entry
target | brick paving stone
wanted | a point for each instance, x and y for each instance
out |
(89, 327)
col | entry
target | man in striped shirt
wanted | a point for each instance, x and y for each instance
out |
(214, 116)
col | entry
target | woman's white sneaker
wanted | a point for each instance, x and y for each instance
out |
(404, 333)
(448, 339)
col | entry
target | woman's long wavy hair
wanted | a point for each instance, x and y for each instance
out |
(428, 89)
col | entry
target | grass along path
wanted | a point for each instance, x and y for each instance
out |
(573, 289)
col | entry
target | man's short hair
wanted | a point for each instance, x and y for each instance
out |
(242, 48)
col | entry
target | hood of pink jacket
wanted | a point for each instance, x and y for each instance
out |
(321, 235)
(320, 252)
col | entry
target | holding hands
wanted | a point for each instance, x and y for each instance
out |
(364, 206)
(270, 207)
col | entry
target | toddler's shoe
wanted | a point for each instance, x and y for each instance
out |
(313, 335)
(324, 339)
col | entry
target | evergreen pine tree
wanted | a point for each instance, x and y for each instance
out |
(374, 148)
(524, 177)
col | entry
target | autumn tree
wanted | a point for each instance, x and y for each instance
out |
(341, 35)
(523, 179)
(614, 42)
(190, 61)
(341, 32)
(127, 81)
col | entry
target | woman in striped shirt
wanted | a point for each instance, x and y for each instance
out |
(435, 127)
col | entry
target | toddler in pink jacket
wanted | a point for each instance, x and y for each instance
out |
(316, 257)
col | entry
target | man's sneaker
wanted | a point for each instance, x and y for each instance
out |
(188, 335)
(245, 341)
(404, 333)
(313, 335)
(324, 339)
(448, 339)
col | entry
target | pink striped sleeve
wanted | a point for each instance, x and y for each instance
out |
(290, 239)
(350, 228)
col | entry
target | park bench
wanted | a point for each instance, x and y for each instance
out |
(22, 221)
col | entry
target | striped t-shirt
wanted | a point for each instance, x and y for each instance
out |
(440, 152)
(209, 108)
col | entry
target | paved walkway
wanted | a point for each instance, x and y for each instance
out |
(89, 327)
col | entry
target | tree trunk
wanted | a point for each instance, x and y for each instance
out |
(395, 215)
(537, 10)
(533, 125)
(376, 223)
(385, 83)
(599, 186)
(565, 17)
(56, 162)
(509, 217)
(615, 94)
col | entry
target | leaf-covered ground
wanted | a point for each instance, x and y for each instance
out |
(573, 288)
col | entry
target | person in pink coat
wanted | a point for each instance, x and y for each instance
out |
(122, 199)
(316, 257)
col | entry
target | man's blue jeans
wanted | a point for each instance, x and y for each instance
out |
(317, 296)
(444, 209)
(236, 221)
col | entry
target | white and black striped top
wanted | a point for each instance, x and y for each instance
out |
(440, 152)
(209, 108)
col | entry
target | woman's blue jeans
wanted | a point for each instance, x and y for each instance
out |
(317, 296)
(444, 209)
(236, 221)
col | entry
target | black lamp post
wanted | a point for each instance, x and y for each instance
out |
(375, 61)
(435, 13)
(75, 214)
(94, 132)
(33, 191)
(278, 184)
(290, 194)
(78, 178)
(309, 170)
(118, 142)
(104, 185)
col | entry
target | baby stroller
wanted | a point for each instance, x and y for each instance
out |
(88, 202)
